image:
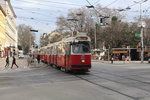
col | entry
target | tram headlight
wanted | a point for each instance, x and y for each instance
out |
(83, 61)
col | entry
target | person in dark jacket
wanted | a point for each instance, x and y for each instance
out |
(7, 62)
(38, 58)
(14, 62)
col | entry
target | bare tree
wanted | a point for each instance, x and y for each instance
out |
(25, 37)
(147, 32)
(115, 34)
(77, 20)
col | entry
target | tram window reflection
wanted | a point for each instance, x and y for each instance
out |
(81, 48)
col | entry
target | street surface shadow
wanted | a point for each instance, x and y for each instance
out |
(79, 73)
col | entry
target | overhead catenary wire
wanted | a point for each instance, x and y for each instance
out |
(33, 12)
(25, 19)
(93, 7)
(36, 9)
(35, 19)
(97, 2)
(40, 4)
(60, 3)
(111, 3)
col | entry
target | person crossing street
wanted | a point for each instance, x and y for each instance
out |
(7, 62)
(14, 62)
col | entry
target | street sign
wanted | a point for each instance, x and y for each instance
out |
(138, 35)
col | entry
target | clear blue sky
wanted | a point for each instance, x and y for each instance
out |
(42, 14)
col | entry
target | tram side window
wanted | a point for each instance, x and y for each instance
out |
(61, 49)
(56, 49)
(50, 52)
(67, 49)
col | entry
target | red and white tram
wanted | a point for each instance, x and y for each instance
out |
(72, 53)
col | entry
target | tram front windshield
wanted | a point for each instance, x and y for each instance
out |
(81, 47)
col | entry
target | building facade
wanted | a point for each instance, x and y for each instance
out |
(10, 28)
(2, 31)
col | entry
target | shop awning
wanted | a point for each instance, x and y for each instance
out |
(119, 52)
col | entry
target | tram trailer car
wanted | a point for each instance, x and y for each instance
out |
(71, 54)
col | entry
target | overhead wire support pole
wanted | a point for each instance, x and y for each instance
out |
(142, 44)
(91, 6)
(95, 36)
(141, 25)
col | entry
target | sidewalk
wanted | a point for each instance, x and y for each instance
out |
(120, 62)
(20, 62)
(2, 62)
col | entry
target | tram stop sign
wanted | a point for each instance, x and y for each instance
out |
(142, 24)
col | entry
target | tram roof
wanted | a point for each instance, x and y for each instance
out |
(69, 39)
(73, 38)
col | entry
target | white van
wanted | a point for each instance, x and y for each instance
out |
(20, 54)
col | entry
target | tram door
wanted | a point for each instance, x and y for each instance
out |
(67, 55)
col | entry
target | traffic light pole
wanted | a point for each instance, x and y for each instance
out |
(142, 46)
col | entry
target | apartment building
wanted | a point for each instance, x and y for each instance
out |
(2, 31)
(10, 27)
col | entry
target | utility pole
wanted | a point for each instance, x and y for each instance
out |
(95, 36)
(141, 25)
(95, 31)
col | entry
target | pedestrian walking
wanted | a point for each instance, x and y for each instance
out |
(123, 58)
(38, 58)
(14, 62)
(33, 59)
(112, 60)
(7, 62)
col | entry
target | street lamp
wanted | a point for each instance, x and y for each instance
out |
(91, 6)
(141, 25)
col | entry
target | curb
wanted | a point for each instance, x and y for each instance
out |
(121, 62)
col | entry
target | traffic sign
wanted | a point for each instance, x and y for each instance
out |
(138, 35)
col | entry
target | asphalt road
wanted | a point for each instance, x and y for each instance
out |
(130, 81)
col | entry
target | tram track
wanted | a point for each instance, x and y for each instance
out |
(105, 87)
(115, 81)
(123, 77)
(114, 89)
